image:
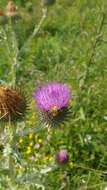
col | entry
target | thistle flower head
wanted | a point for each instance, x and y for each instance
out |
(62, 157)
(1, 13)
(52, 97)
(11, 9)
(2, 17)
(53, 101)
(12, 104)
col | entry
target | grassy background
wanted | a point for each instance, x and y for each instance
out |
(61, 51)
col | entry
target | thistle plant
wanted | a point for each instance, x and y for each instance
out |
(10, 15)
(11, 9)
(13, 104)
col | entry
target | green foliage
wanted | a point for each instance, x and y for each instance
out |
(70, 47)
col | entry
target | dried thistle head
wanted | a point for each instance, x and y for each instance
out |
(13, 104)
(2, 17)
(11, 9)
(1, 13)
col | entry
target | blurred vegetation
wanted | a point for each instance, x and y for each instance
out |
(72, 41)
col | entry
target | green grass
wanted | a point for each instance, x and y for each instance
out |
(71, 48)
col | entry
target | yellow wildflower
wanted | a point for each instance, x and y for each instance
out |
(29, 150)
(31, 144)
(40, 141)
(46, 158)
(71, 164)
(30, 136)
(50, 158)
(20, 140)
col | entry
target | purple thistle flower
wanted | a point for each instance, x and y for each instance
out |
(62, 157)
(52, 101)
(52, 95)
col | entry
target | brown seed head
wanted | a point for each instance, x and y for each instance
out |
(12, 104)
(1, 13)
(11, 9)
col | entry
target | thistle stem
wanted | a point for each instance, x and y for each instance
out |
(5, 37)
(97, 40)
(35, 31)
(17, 51)
(11, 130)
(14, 53)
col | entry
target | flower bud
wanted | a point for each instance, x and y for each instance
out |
(11, 9)
(62, 157)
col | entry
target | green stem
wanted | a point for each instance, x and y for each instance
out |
(35, 31)
(13, 70)
(3, 31)
(14, 53)
(97, 40)
(11, 130)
